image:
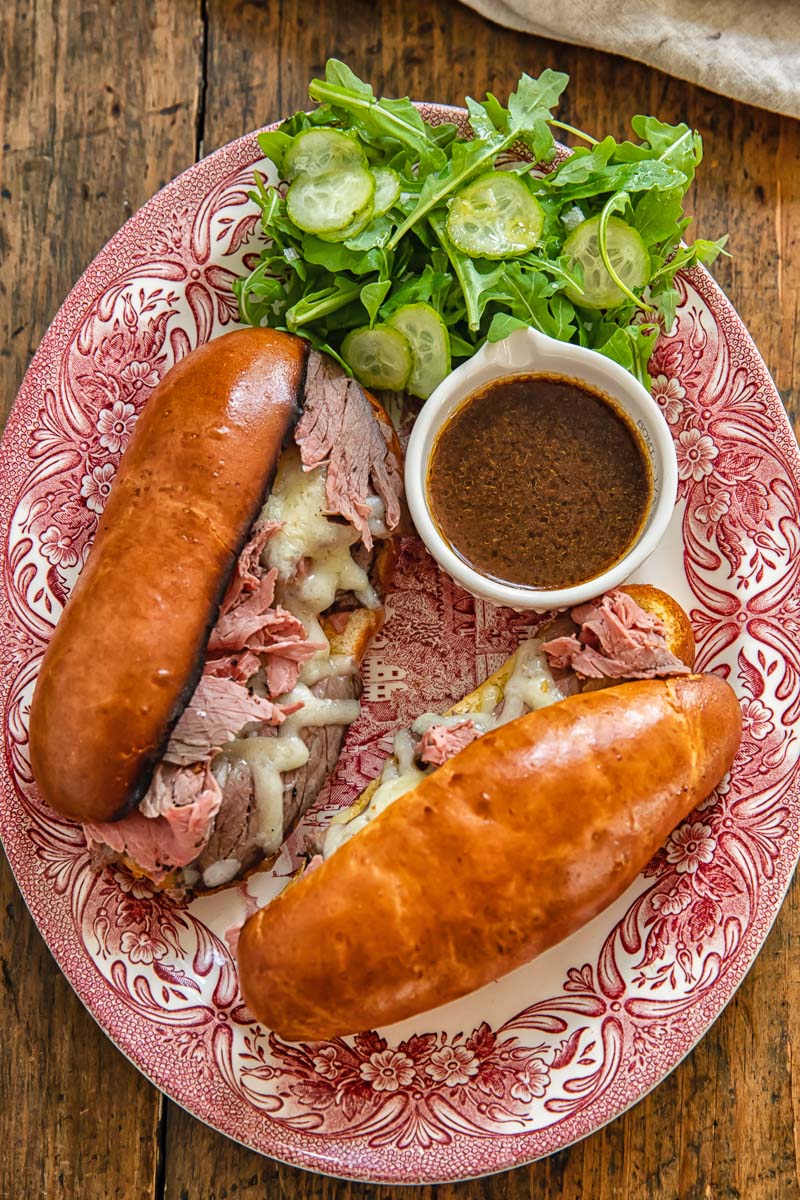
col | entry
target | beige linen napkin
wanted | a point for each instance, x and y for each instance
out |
(748, 49)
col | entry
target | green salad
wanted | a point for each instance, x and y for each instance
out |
(399, 246)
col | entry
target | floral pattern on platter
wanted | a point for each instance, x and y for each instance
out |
(550, 1053)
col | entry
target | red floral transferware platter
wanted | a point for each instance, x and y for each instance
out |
(547, 1055)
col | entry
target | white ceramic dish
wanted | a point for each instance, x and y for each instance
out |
(529, 352)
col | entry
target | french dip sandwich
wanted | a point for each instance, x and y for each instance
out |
(501, 827)
(199, 683)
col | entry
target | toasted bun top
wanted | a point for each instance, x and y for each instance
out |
(127, 652)
(507, 848)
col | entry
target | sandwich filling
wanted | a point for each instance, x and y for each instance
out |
(611, 639)
(266, 721)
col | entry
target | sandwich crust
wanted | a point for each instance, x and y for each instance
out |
(512, 845)
(127, 652)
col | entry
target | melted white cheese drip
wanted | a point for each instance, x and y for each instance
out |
(268, 758)
(340, 832)
(529, 686)
(298, 500)
(308, 538)
(315, 711)
(483, 721)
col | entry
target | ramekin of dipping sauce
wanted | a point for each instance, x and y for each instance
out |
(540, 474)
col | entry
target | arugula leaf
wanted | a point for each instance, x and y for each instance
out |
(706, 252)
(372, 297)
(482, 124)
(321, 303)
(657, 215)
(664, 299)
(424, 288)
(564, 317)
(338, 256)
(528, 113)
(582, 164)
(630, 346)
(643, 176)
(340, 75)
(502, 324)
(261, 296)
(397, 119)
(530, 108)
(460, 348)
(274, 145)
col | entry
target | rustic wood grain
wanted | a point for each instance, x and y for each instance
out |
(98, 108)
(91, 125)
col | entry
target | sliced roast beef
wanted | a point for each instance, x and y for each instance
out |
(441, 742)
(616, 639)
(217, 711)
(170, 827)
(248, 570)
(235, 834)
(236, 828)
(338, 428)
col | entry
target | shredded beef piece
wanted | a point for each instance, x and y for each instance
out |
(253, 627)
(616, 639)
(217, 711)
(170, 827)
(236, 827)
(248, 570)
(441, 742)
(338, 427)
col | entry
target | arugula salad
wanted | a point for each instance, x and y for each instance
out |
(399, 247)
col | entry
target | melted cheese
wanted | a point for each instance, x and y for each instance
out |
(315, 711)
(221, 872)
(530, 686)
(483, 721)
(340, 832)
(268, 758)
(320, 667)
(298, 501)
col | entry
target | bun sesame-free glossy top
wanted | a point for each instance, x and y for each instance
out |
(509, 847)
(128, 650)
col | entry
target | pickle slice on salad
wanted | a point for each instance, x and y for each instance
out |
(332, 202)
(379, 357)
(430, 346)
(495, 216)
(319, 151)
(626, 252)
(387, 189)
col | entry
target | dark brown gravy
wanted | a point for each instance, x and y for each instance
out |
(538, 481)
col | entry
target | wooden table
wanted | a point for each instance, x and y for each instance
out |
(100, 104)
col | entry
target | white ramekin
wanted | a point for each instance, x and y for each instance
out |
(528, 352)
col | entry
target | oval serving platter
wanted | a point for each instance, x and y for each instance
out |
(547, 1055)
